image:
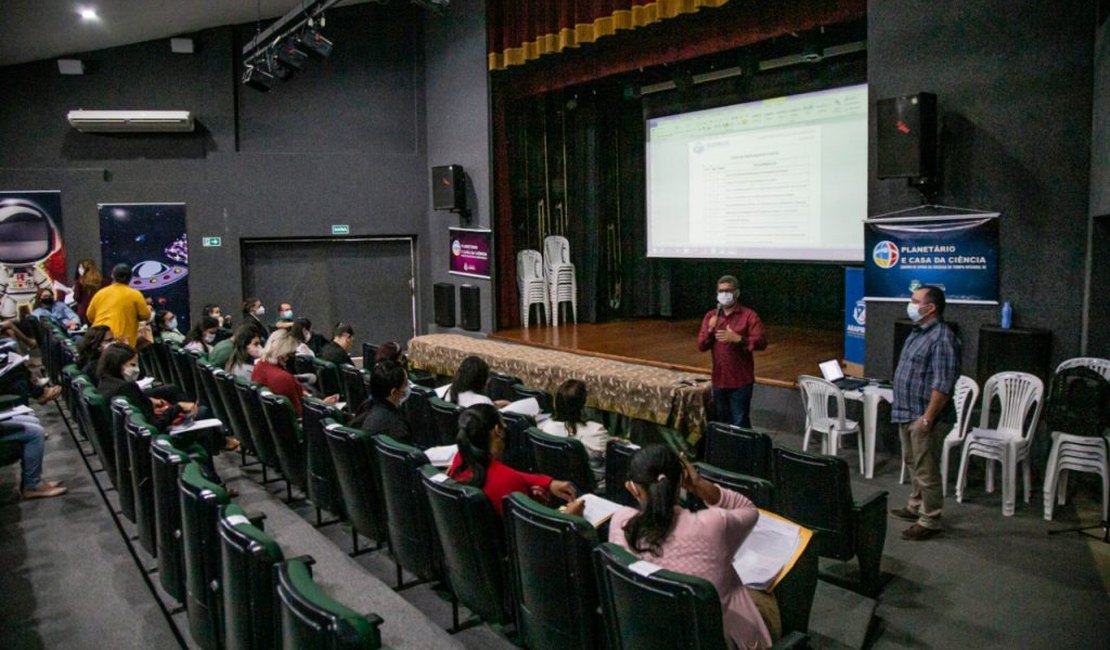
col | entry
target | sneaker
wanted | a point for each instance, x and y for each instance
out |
(49, 394)
(43, 491)
(916, 533)
(905, 514)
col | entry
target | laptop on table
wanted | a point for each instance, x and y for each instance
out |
(831, 371)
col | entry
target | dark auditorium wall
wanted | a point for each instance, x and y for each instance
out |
(344, 142)
(1098, 325)
(1014, 88)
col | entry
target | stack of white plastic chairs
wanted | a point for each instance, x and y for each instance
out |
(1076, 453)
(562, 286)
(531, 283)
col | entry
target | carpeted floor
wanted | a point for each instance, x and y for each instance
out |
(990, 581)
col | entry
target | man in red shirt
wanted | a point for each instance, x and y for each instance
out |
(732, 332)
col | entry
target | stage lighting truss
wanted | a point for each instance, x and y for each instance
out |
(286, 45)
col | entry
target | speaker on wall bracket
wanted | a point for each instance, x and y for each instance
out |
(449, 190)
(907, 141)
(444, 299)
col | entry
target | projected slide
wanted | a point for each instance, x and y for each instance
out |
(784, 178)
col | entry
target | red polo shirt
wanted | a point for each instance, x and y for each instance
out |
(733, 364)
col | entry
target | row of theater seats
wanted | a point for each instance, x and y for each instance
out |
(238, 588)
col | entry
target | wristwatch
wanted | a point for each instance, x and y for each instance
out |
(924, 420)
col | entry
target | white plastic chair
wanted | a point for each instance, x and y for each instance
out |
(964, 396)
(1101, 366)
(816, 393)
(1075, 453)
(1009, 442)
(562, 283)
(531, 284)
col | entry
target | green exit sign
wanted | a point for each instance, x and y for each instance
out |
(212, 242)
(340, 229)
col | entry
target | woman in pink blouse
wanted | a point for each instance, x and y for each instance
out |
(701, 543)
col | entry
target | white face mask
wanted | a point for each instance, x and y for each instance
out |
(80, 271)
(261, 311)
(172, 324)
(405, 393)
(255, 351)
(913, 310)
(131, 373)
(209, 338)
(307, 336)
(726, 298)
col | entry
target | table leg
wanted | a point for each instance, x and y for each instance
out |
(870, 419)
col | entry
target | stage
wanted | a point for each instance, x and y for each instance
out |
(672, 344)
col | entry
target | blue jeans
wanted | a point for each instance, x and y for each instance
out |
(30, 435)
(734, 405)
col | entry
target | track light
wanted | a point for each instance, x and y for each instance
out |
(312, 41)
(257, 78)
(289, 55)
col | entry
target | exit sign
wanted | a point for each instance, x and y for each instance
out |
(212, 242)
(340, 229)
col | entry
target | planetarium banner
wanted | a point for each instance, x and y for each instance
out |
(32, 251)
(958, 253)
(151, 239)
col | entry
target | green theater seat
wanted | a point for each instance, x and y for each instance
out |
(311, 619)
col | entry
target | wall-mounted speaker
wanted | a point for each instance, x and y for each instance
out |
(444, 298)
(470, 297)
(907, 136)
(449, 188)
(1016, 349)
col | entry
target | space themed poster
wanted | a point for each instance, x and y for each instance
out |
(151, 239)
(32, 251)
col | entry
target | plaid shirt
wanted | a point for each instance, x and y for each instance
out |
(930, 361)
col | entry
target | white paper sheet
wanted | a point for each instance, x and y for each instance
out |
(199, 424)
(19, 410)
(441, 456)
(442, 391)
(526, 406)
(598, 509)
(145, 382)
(768, 548)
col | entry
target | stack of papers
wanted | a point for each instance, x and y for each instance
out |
(22, 409)
(441, 456)
(442, 391)
(145, 383)
(770, 550)
(598, 509)
(198, 424)
(526, 406)
(14, 361)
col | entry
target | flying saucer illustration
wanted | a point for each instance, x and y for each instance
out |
(152, 274)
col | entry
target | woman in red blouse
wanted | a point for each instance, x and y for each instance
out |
(481, 441)
(270, 369)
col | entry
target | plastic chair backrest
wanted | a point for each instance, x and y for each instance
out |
(529, 266)
(209, 391)
(518, 448)
(312, 619)
(470, 535)
(119, 408)
(964, 397)
(183, 363)
(1017, 393)
(288, 438)
(327, 377)
(1099, 365)
(618, 457)
(815, 491)
(660, 611)
(737, 449)
(563, 458)
(418, 411)
(247, 559)
(445, 417)
(1078, 402)
(139, 437)
(760, 491)
(352, 452)
(200, 503)
(412, 536)
(500, 386)
(556, 252)
(355, 385)
(539, 538)
(323, 487)
(816, 393)
(95, 422)
(165, 372)
(369, 353)
(250, 400)
(233, 409)
(166, 463)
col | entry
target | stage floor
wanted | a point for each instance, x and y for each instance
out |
(791, 351)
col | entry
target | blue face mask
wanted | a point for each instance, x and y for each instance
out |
(287, 314)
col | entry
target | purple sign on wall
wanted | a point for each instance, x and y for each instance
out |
(470, 252)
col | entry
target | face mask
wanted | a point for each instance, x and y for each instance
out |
(172, 324)
(914, 312)
(80, 271)
(209, 338)
(287, 314)
(307, 336)
(261, 311)
(255, 351)
(405, 393)
(47, 300)
(131, 373)
(726, 298)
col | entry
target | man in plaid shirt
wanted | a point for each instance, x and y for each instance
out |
(923, 382)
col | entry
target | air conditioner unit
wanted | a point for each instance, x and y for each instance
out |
(130, 121)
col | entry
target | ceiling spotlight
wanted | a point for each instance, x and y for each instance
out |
(258, 78)
(288, 54)
(314, 42)
(88, 14)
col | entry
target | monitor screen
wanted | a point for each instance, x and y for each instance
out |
(831, 370)
(471, 252)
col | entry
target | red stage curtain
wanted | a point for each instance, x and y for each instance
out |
(519, 31)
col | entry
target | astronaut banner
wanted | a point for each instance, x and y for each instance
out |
(151, 239)
(32, 252)
(956, 252)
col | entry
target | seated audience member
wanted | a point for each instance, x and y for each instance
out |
(469, 385)
(246, 351)
(202, 335)
(223, 323)
(389, 388)
(117, 371)
(389, 351)
(221, 351)
(165, 327)
(89, 280)
(302, 331)
(284, 316)
(252, 310)
(10, 329)
(338, 349)
(95, 340)
(270, 370)
(570, 420)
(481, 441)
(26, 430)
(46, 306)
(695, 543)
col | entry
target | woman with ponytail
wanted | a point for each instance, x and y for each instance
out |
(481, 441)
(695, 543)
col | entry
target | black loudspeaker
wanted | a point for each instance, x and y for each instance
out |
(470, 297)
(444, 304)
(449, 188)
(907, 136)
(1024, 350)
